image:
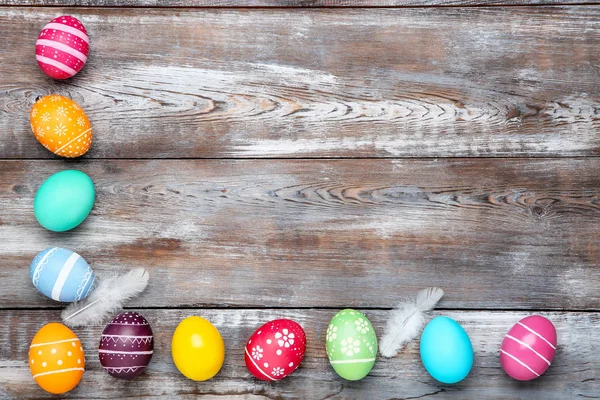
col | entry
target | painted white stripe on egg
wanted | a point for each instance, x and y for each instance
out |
(63, 275)
(519, 361)
(358, 360)
(57, 64)
(57, 372)
(536, 334)
(124, 352)
(74, 139)
(38, 267)
(62, 47)
(257, 367)
(88, 290)
(90, 275)
(58, 341)
(128, 336)
(68, 29)
(121, 368)
(528, 346)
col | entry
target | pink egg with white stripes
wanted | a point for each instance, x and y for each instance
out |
(62, 47)
(528, 348)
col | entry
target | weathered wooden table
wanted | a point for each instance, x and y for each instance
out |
(264, 161)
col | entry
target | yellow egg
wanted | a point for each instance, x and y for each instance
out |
(56, 358)
(61, 126)
(197, 348)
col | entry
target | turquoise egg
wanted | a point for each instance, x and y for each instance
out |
(61, 274)
(64, 200)
(446, 350)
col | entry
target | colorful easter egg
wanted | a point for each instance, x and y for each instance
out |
(126, 345)
(61, 126)
(62, 47)
(275, 349)
(56, 358)
(197, 348)
(446, 350)
(64, 200)
(351, 344)
(528, 348)
(61, 274)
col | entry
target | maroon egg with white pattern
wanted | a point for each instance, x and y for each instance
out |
(62, 47)
(126, 345)
(275, 350)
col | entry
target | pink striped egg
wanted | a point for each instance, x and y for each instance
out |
(528, 348)
(62, 47)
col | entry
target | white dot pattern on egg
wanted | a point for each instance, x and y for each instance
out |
(62, 47)
(351, 344)
(126, 345)
(275, 350)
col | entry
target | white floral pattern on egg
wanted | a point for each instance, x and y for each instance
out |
(351, 344)
(275, 349)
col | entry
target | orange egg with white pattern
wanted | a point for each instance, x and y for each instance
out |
(56, 358)
(61, 126)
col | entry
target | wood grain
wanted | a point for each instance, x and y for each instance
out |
(231, 83)
(573, 374)
(285, 3)
(495, 233)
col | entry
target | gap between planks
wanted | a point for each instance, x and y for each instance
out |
(323, 308)
(302, 158)
(322, 4)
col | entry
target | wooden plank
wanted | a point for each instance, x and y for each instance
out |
(285, 3)
(521, 81)
(574, 373)
(495, 233)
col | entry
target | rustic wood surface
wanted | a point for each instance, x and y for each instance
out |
(469, 143)
(574, 373)
(430, 82)
(495, 233)
(287, 3)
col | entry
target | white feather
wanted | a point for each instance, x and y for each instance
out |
(108, 297)
(407, 320)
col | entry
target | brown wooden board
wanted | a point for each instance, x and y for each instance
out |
(422, 82)
(573, 374)
(494, 233)
(217, 128)
(286, 3)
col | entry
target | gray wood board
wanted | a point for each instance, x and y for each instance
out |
(573, 374)
(494, 233)
(287, 3)
(231, 83)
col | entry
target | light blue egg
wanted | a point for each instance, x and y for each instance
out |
(446, 350)
(61, 274)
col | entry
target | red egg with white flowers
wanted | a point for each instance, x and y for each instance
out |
(528, 348)
(275, 349)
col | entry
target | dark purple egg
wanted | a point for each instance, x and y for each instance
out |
(126, 345)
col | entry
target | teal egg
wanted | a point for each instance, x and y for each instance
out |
(446, 350)
(64, 200)
(351, 344)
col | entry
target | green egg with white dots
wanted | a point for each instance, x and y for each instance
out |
(351, 344)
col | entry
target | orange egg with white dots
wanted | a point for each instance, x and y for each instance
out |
(56, 358)
(61, 126)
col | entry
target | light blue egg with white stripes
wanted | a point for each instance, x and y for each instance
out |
(61, 274)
